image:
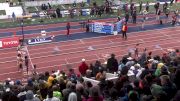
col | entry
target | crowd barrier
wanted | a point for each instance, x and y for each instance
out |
(9, 42)
(107, 28)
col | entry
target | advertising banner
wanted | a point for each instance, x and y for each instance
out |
(9, 42)
(100, 27)
(39, 40)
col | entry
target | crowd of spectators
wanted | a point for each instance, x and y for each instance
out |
(146, 78)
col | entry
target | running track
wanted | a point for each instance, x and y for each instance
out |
(33, 31)
(71, 52)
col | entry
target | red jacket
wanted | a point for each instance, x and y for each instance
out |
(124, 28)
(82, 68)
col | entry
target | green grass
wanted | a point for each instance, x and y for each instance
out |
(2, 1)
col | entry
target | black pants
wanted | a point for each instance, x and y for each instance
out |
(124, 34)
(134, 19)
(173, 22)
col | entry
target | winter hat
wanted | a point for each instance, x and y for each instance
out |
(156, 89)
(137, 65)
(18, 82)
(29, 95)
(160, 65)
(30, 82)
(83, 60)
(72, 97)
(11, 83)
(130, 58)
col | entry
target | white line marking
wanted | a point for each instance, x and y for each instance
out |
(80, 62)
(112, 52)
(81, 41)
(66, 61)
(94, 45)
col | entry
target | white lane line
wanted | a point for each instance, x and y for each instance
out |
(80, 61)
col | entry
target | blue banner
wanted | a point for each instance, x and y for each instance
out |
(102, 28)
(39, 40)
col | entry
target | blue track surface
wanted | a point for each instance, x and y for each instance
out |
(60, 28)
(90, 34)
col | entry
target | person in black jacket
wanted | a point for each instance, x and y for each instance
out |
(134, 16)
(127, 17)
(140, 6)
(156, 6)
(26, 63)
(68, 28)
(112, 64)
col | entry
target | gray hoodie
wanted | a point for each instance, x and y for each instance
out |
(30, 96)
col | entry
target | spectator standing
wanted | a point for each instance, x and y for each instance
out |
(72, 97)
(167, 13)
(147, 6)
(83, 67)
(171, 3)
(127, 17)
(143, 57)
(22, 92)
(8, 95)
(97, 66)
(158, 15)
(168, 87)
(68, 28)
(100, 75)
(132, 8)
(112, 64)
(19, 62)
(43, 89)
(72, 75)
(49, 6)
(124, 30)
(144, 18)
(13, 16)
(136, 52)
(165, 6)
(134, 16)
(149, 56)
(94, 94)
(140, 6)
(50, 96)
(30, 96)
(156, 6)
(26, 63)
(58, 12)
(87, 26)
(174, 20)
(56, 92)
